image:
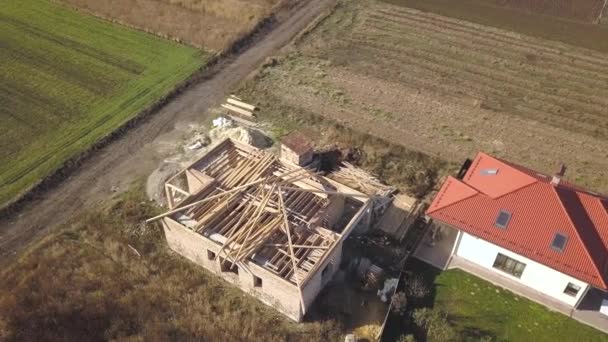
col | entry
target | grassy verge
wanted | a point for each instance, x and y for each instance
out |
(67, 80)
(491, 13)
(109, 277)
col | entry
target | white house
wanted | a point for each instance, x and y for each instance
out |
(532, 229)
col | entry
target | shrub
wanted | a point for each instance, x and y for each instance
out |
(399, 303)
(406, 338)
(435, 323)
(417, 288)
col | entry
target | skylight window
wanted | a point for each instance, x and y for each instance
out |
(489, 172)
(502, 221)
(559, 242)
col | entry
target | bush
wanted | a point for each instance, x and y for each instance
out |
(399, 303)
(406, 338)
(417, 288)
(435, 323)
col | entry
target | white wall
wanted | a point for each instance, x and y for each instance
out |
(535, 275)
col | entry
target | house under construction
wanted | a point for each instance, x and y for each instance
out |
(271, 227)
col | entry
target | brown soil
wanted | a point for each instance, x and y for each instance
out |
(584, 10)
(212, 24)
(450, 88)
(139, 151)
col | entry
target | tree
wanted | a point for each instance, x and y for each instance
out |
(435, 323)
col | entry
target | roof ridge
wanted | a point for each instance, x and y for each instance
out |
(477, 192)
(518, 189)
(513, 167)
(578, 235)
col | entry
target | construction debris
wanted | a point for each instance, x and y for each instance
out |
(361, 180)
(255, 220)
(222, 122)
(196, 145)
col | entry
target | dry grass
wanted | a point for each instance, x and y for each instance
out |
(86, 283)
(449, 88)
(210, 24)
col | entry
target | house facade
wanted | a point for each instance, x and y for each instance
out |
(517, 267)
(532, 229)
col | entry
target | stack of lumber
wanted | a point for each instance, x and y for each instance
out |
(361, 180)
(236, 106)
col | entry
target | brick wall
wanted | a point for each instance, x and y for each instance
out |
(274, 291)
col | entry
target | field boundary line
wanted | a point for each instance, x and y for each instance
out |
(205, 72)
(316, 23)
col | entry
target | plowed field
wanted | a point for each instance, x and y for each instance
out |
(584, 10)
(450, 87)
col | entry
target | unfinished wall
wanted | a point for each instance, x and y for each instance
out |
(320, 278)
(273, 291)
(334, 210)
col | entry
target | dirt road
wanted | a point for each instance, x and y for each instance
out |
(133, 156)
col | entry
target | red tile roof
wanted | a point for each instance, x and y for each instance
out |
(539, 210)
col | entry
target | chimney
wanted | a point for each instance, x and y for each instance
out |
(557, 178)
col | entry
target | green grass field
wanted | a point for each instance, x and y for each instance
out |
(67, 80)
(480, 308)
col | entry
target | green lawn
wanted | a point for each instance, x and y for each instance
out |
(67, 80)
(478, 308)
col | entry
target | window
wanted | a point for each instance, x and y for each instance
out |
(257, 281)
(210, 255)
(508, 265)
(226, 266)
(559, 242)
(502, 221)
(489, 172)
(572, 290)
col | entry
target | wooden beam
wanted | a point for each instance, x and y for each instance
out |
(241, 104)
(238, 188)
(238, 110)
(254, 222)
(296, 246)
(286, 221)
(328, 192)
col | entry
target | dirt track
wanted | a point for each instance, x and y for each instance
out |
(135, 155)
